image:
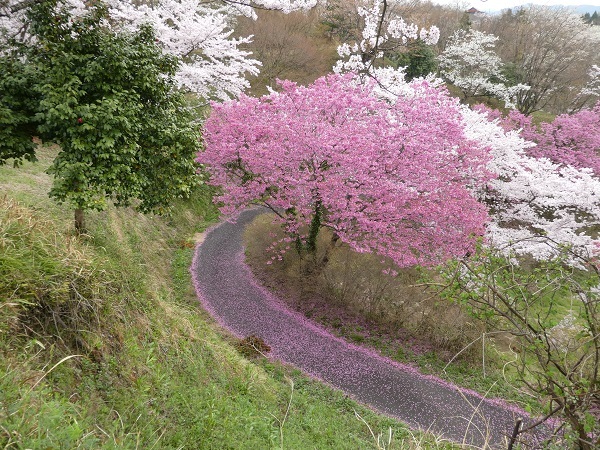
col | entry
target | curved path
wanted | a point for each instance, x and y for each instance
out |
(228, 290)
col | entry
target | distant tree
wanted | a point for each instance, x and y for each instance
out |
(589, 93)
(550, 49)
(470, 63)
(465, 22)
(341, 20)
(572, 139)
(393, 179)
(418, 60)
(289, 46)
(587, 18)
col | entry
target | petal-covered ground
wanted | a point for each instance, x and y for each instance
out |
(228, 290)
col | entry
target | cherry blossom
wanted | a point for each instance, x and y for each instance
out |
(396, 178)
(379, 33)
(591, 90)
(470, 63)
(534, 197)
(570, 139)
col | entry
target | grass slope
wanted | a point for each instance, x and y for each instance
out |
(103, 344)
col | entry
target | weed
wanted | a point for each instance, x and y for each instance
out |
(252, 346)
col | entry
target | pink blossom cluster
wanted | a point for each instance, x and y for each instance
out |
(569, 140)
(396, 178)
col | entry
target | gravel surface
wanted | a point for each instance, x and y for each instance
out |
(228, 290)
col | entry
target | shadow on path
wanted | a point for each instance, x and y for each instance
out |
(228, 290)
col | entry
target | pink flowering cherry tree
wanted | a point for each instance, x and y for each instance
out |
(396, 179)
(569, 140)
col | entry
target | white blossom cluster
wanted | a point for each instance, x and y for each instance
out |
(534, 197)
(212, 63)
(199, 33)
(470, 62)
(430, 36)
(391, 83)
(592, 87)
(285, 6)
(359, 56)
(593, 84)
(399, 29)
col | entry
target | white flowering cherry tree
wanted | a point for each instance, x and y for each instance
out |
(470, 63)
(590, 92)
(380, 34)
(534, 198)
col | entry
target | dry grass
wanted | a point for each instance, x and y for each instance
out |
(52, 284)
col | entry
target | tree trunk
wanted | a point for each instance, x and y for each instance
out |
(313, 231)
(334, 239)
(79, 221)
(584, 442)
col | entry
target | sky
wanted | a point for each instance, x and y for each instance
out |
(494, 5)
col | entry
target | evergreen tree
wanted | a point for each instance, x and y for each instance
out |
(587, 18)
(465, 22)
(418, 61)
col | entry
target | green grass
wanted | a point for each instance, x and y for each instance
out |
(103, 344)
(542, 117)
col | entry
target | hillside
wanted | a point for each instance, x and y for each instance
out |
(580, 9)
(104, 345)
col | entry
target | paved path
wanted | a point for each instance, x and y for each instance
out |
(230, 293)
